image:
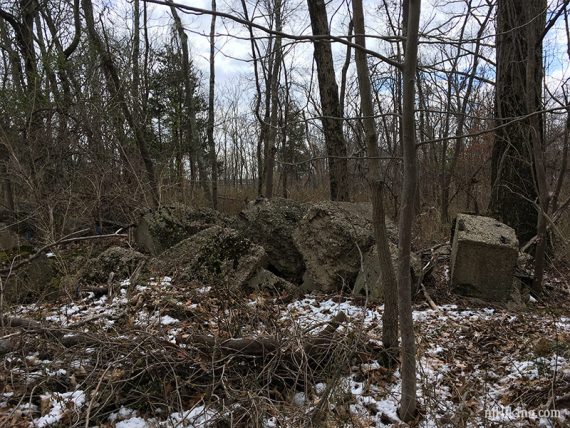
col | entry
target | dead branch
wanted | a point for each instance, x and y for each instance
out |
(8, 271)
(261, 346)
(420, 284)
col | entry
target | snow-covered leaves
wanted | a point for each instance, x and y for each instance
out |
(477, 366)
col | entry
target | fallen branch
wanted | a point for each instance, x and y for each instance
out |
(262, 346)
(420, 284)
(429, 299)
(8, 271)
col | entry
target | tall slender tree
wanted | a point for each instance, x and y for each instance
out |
(197, 167)
(211, 111)
(275, 65)
(330, 104)
(116, 89)
(389, 284)
(407, 213)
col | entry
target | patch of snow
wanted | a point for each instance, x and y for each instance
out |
(199, 416)
(123, 413)
(524, 369)
(299, 399)
(435, 351)
(320, 388)
(60, 403)
(563, 323)
(374, 365)
(270, 423)
(135, 422)
(168, 320)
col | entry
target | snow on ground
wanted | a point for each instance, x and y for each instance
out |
(475, 366)
(378, 404)
(59, 404)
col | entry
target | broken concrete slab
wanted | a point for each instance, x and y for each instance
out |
(266, 280)
(270, 223)
(483, 258)
(160, 229)
(122, 261)
(369, 276)
(214, 256)
(332, 237)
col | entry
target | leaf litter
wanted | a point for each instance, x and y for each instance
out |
(130, 359)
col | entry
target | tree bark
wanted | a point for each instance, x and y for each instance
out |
(408, 350)
(197, 169)
(534, 75)
(388, 278)
(274, 87)
(513, 186)
(211, 94)
(331, 111)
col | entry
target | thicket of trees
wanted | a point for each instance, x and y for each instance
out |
(101, 110)
(104, 110)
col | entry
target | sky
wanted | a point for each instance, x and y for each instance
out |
(233, 51)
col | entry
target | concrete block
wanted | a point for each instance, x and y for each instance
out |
(483, 258)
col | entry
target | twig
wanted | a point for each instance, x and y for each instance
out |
(429, 299)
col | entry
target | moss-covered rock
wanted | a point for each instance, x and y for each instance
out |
(270, 223)
(331, 237)
(160, 229)
(121, 261)
(213, 256)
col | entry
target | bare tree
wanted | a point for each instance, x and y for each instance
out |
(389, 284)
(116, 88)
(407, 213)
(514, 189)
(211, 100)
(275, 66)
(196, 159)
(330, 104)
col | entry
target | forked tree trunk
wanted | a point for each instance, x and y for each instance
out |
(387, 276)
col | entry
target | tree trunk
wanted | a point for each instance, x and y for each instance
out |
(196, 160)
(211, 93)
(116, 89)
(331, 111)
(388, 278)
(513, 187)
(273, 120)
(534, 74)
(408, 352)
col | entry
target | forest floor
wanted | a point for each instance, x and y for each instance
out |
(129, 359)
